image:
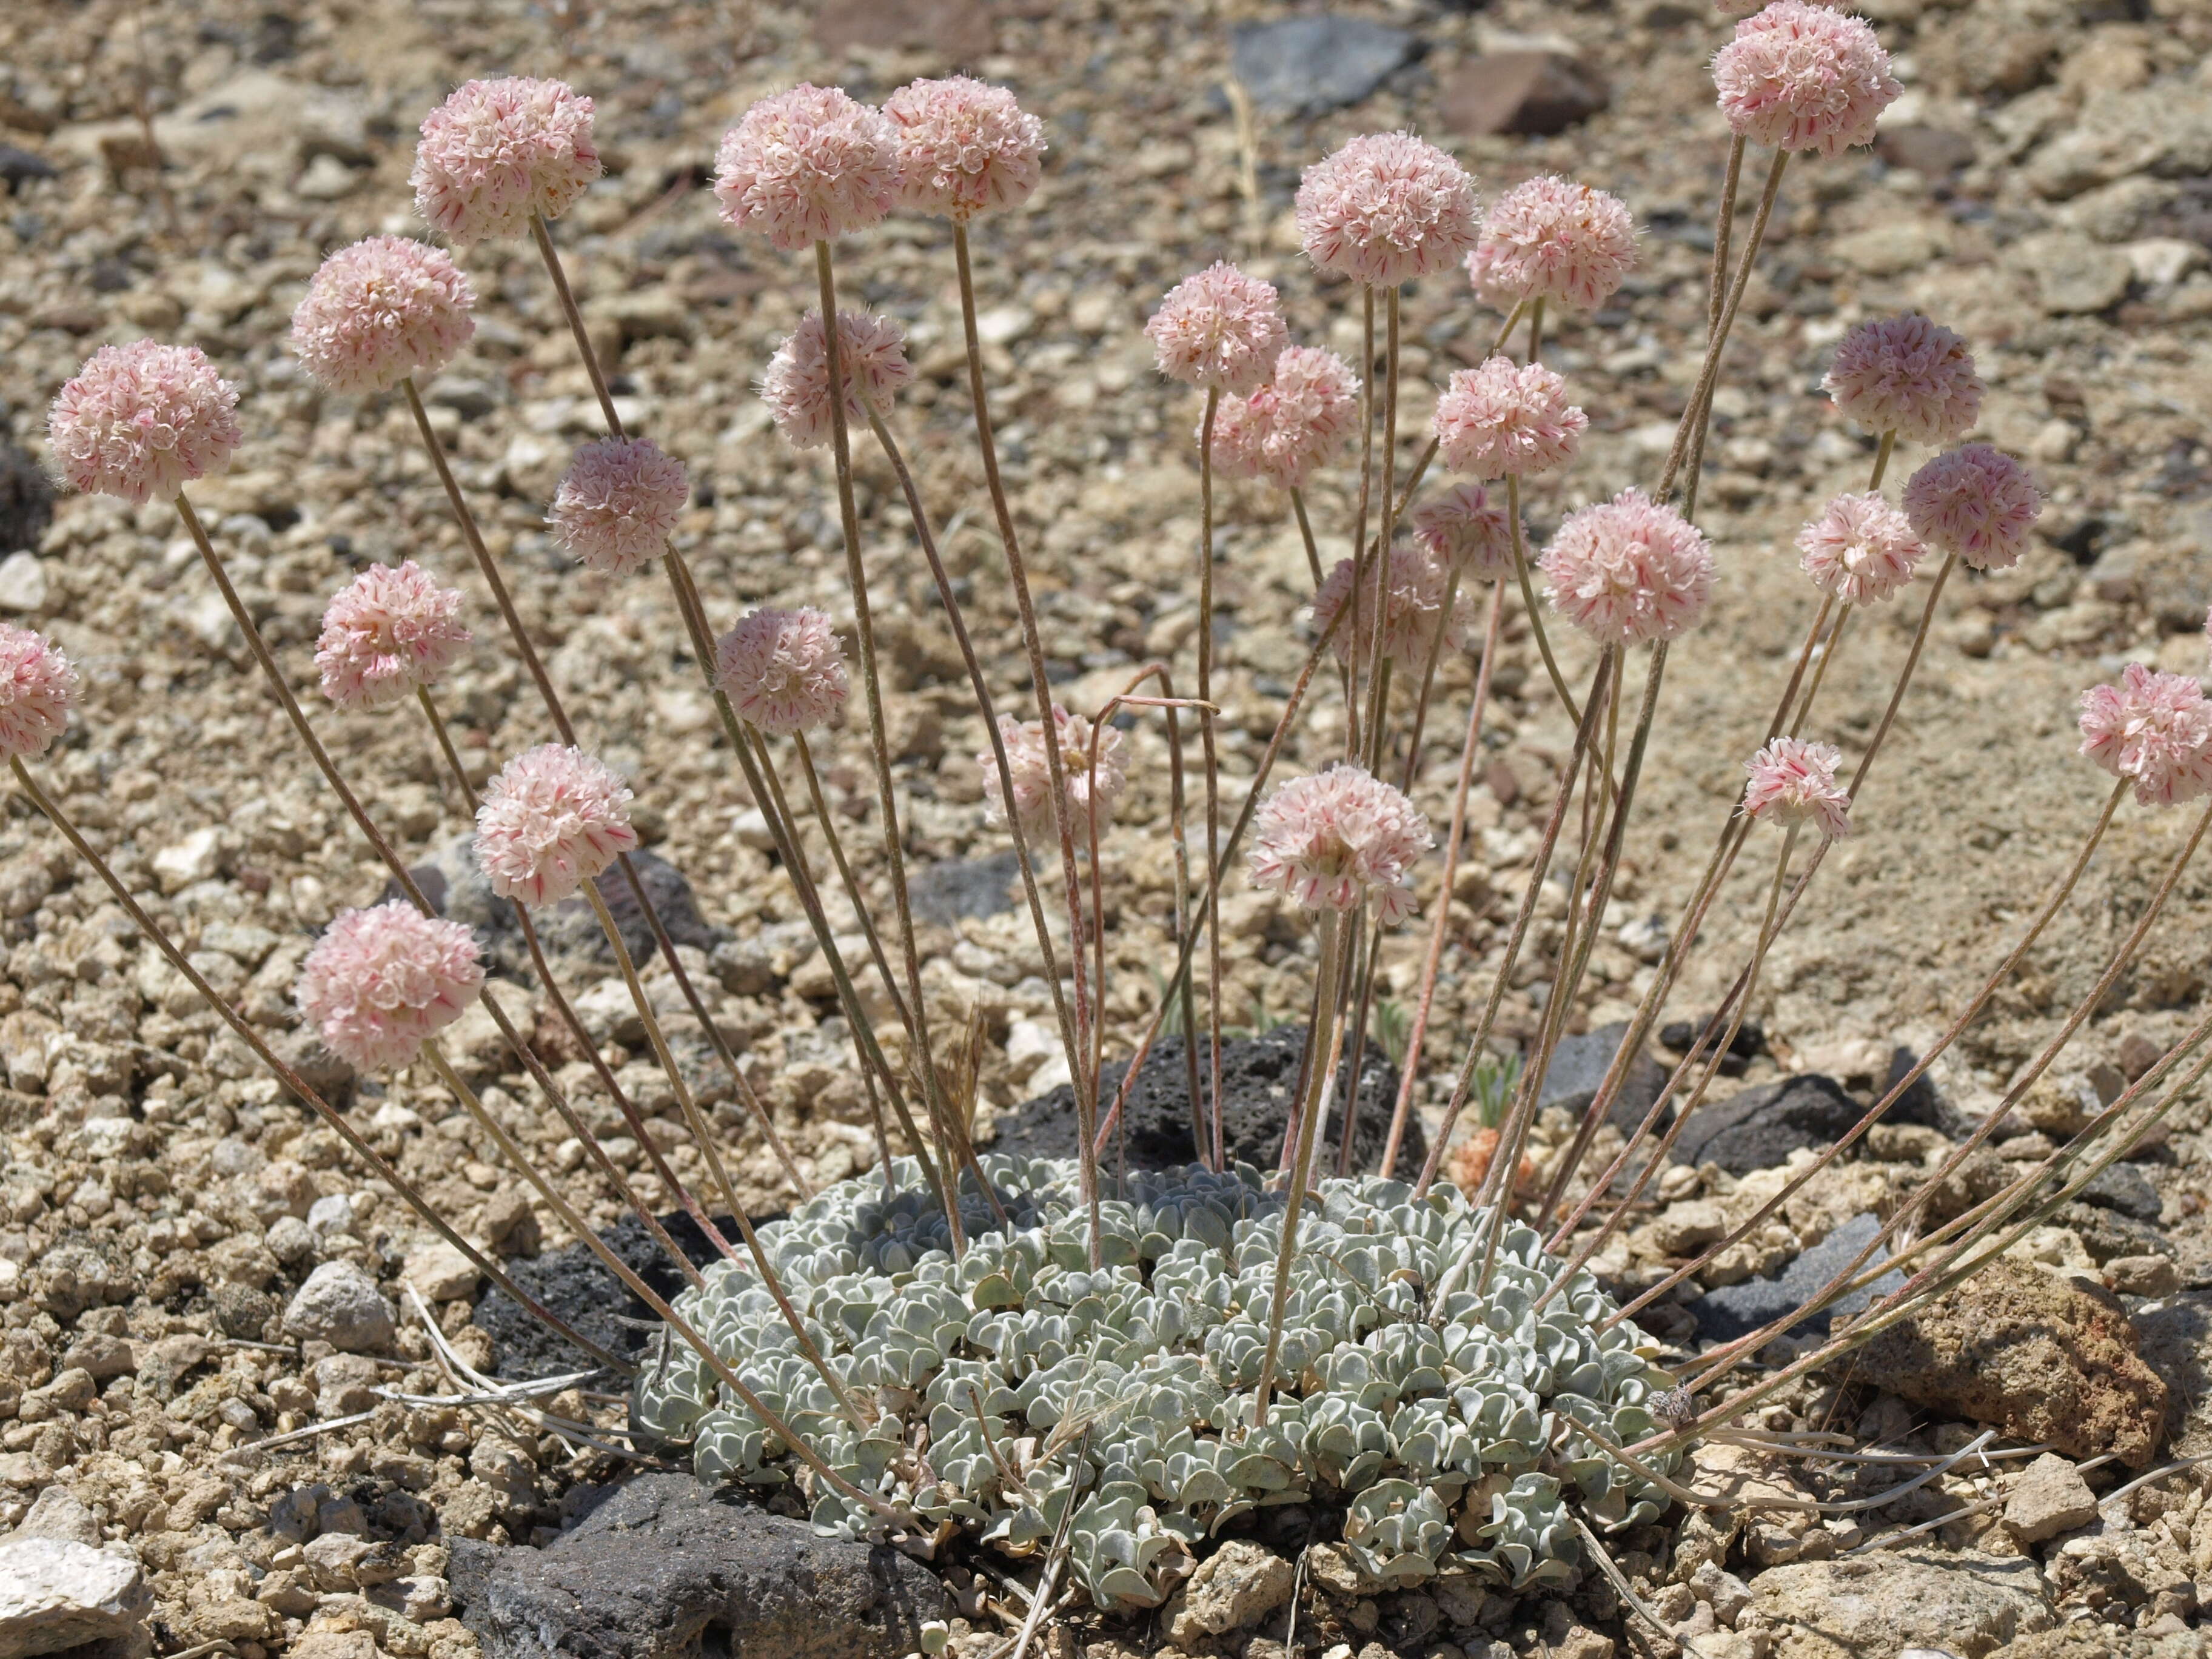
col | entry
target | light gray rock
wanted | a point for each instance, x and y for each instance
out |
(22, 583)
(1968, 1604)
(1238, 1585)
(2074, 277)
(2049, 1498)
(56, 1594)
(339, 1305)
(1306, 65)
(59, 1515)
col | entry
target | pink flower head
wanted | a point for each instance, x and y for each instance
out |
(1386, 208)
(1339, 838)
(1793, 781)
(782, 670)
(141, 420)
(1412, 601)
(1628, 570)
(1907, 375)
(1219, 329)
(37, 687)
(1553, 239)
(498, 151)
(381, 982)
(387, 632)
(1860, 549)
(1463, 530)
(1976, 502)
(1507, 419)
(807, 166)
(2152, 729)
(1032, 770)
(617, 504)
(963, 146)
(1798, 77)
(381, 311)
(1293, 424)
(552, 820)
(871, 361)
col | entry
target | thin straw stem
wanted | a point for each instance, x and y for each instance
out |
(1207, 740)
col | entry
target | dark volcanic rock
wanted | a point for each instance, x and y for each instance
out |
(1748, 1043)
(26, 501)
(2123, 1187)
(951, 890)
(1309, 65)
(660, 1569)
(1727, 1313)
(1578, 1066)
(575, 1286)
(1761, 1127)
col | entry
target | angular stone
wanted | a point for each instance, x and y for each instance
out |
(27, 500)
(1522, 92)
(22, 584)
(1935, 151)
(1579, 1067)
(2123, 1187)
(59, 1515)
(959, 30)
(1309, 65)
(1236, 1586)
(56, 1594)
(2074, 277)
(1968, 1604)
(1725, 1314)
(1759, 1127)
(2049, 1497)
(341, 1305)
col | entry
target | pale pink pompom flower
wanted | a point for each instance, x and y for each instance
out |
(496, 152)
(1793, 782)
(1553, 239)
(381, 982)
(783, 670)
(1301, 418)
(1799, 77)
(1505, 419)
(38, 688)
(617, 504)
(1412, 601)
(143, 420)
(2152, 730)
(1860, 549)
(807, 166)
(795, 385)
(1386, 208)
(1463, 530)
(1338, 838)
(1629, 570)
(1977, 502)
(963, 146)
(1030, 767)
(1219, 330)
(381, 311)
(552, 820)
(1907, 375)
(389, 631)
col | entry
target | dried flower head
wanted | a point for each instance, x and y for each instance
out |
(552, 820)
(1860, 549)
(1464, 530)
(617, 504)
(1976, 502)
(2153, 730)
(1793, 781)
(37, 687)
(389, 630)
(1507, 419)
(381, 982)
(380, 310)
(1907, 375)
(1628, 570)
(1413, 599)
(141, 420)
(783, 670)
(1292, 426)
(1032, 770)
(870, 360)
(1553, 239)
(1386, 208)
(807, 166)
(1219, 329)
(1799, 77)
(963, 146)
(498, 151)
(1338, 838)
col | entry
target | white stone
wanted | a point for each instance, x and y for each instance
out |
(1029, 1044)
(22, 583)
(440, 1272)
(56, 1594)
(340, 1304)
(1003, 325)
(2157, 261)
(180, 863)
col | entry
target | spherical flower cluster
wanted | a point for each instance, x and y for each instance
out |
(807, 166)
(1553, 239)
(1976, 502)
(1860, 549)
(1386, 208)
(380, 310)
(871, 361)
(783, 670)
(1907, 375)
(552, 820)
(1220, 328)
(498, 151)
(1793, 781)
(1507, 419)
(1798, 77)
(1337, 838)
(1030, 767)
(381, 982)
(617, 504)
(141, 420)
(1413, 599)
(37, 687)
(1290, 426)
(2153, 730)
(387, 632)
(1628, 570)
(1464, 530)
(963, 146)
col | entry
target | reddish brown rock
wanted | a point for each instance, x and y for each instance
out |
(1522, 92)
